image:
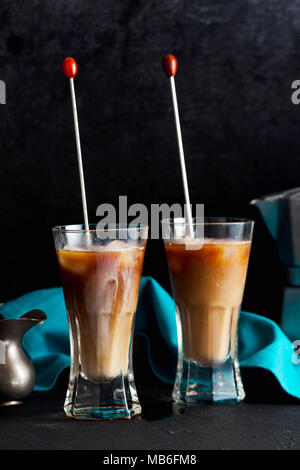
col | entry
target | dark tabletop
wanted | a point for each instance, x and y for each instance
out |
(40, 423)
(267, 419)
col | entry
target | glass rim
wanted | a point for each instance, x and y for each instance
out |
(106, 227)
(210, 220)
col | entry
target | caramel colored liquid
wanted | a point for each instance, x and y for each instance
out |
(208, 284)
(101, 292)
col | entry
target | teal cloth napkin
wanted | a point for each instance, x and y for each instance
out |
(261, 341)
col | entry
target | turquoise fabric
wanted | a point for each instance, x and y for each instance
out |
(261, 342)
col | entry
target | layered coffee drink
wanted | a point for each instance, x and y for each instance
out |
(101, 287)
(208, 282)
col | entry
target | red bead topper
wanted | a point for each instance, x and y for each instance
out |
(169, 65)
(69, 67)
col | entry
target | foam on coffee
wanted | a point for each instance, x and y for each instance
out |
(115, 245)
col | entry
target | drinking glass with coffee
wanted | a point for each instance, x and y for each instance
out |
(208, 275)
(100, 278)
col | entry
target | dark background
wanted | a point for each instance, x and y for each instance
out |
(237, 60)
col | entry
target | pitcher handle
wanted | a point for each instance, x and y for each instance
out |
(36, 315)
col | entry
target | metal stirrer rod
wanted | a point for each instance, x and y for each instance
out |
(169, 64)
(70, 71)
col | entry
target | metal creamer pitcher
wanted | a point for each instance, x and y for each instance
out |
(17, 375)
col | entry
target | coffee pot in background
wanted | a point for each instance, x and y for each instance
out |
(281, 214)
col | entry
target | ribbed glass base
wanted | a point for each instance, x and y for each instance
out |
(102, 413)
(105, 400)
(196, 384)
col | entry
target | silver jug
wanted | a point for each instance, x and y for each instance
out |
(17, 375)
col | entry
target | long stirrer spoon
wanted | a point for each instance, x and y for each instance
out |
(70, 71)
(169, 65)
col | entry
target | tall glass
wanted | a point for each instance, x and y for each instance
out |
(100, 271)
(208, 274)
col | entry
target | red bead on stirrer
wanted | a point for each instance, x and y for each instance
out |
(69, 66)
(169, 65)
